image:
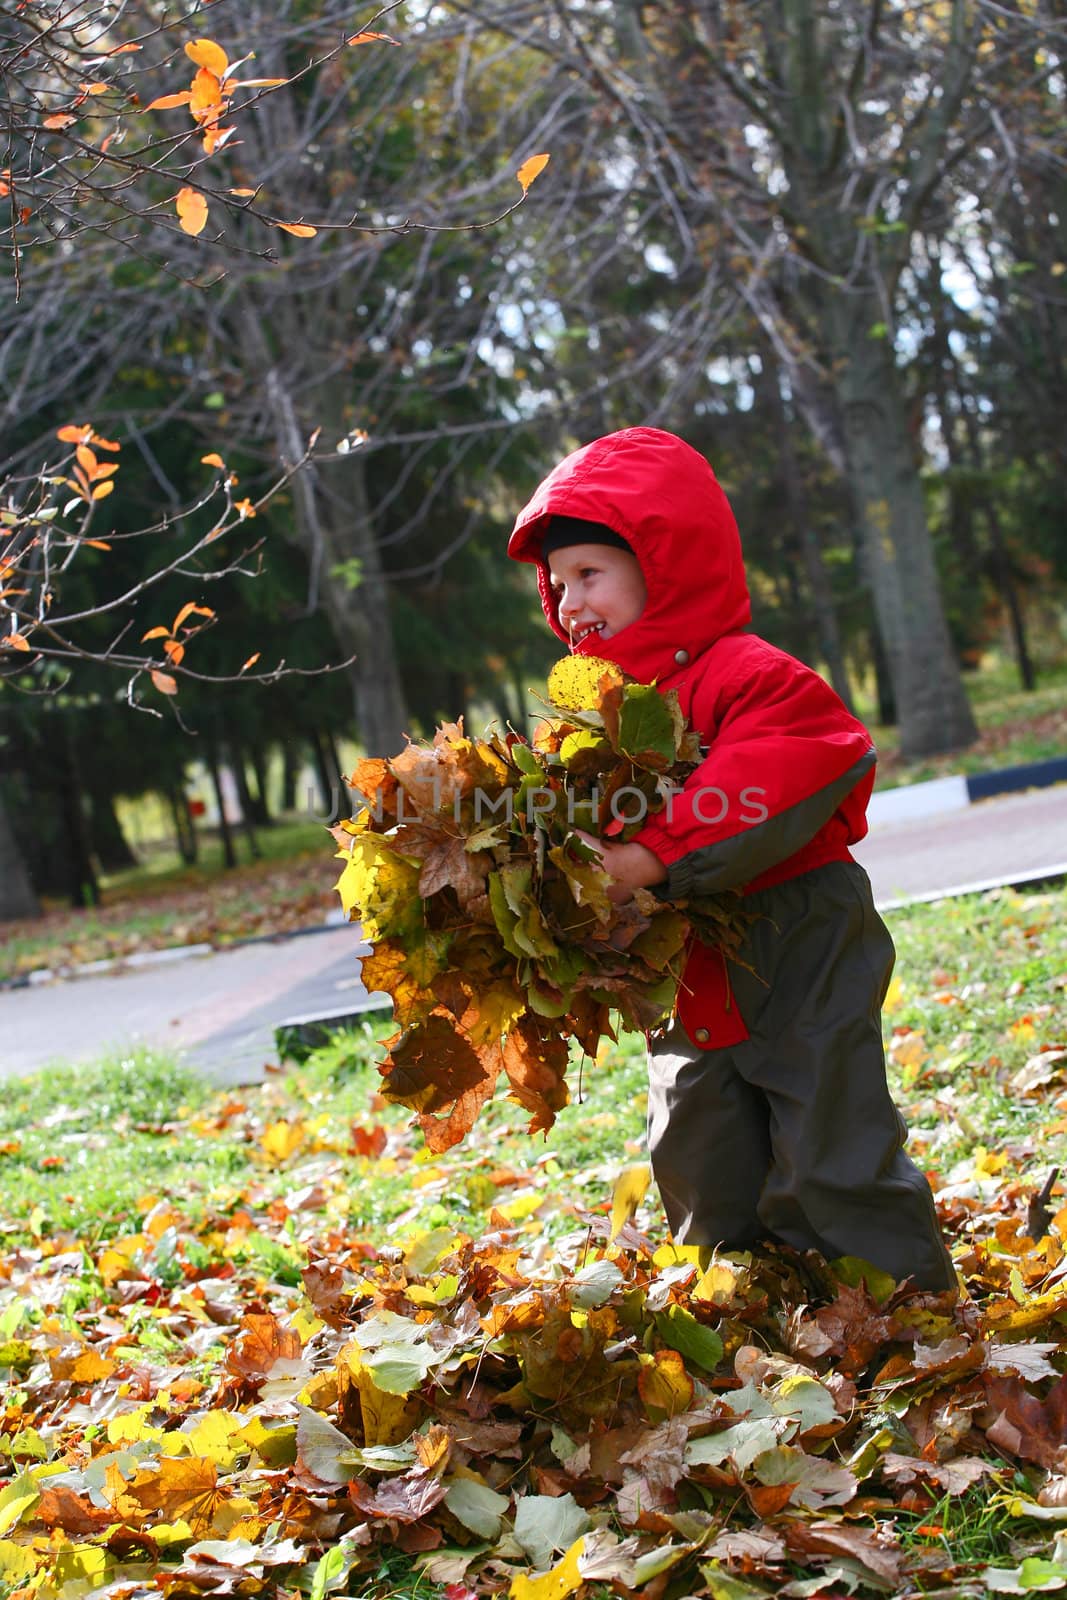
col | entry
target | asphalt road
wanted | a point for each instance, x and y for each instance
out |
(220, 1010)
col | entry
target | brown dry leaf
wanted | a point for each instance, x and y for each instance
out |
(185, 1488)
(535, 1061)
(405, 1498)
(431, 1066)
(261, 1343)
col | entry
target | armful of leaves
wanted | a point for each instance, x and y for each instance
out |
(491, 921)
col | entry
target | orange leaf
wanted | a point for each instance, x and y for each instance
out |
(61, 119)
(531, 169)
(192, 211)
(124, 49)
(299, 230)
(106, 469)
(206, 94)
(214, 459)
(215, 137)
(86, 460)
(188, 610)
(206, 53)
(175, 651)
(102, 490)
(251, 661)
(164, 682)
(244, 193)
(167, 102)
(155, 633)
(98, 544)
(72, 434)
(94, 88)
(104, 444)
(365, 38)
(15, 641)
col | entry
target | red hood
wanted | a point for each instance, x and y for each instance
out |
(663, 498)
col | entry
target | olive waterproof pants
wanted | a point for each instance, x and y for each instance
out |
(791, 1135)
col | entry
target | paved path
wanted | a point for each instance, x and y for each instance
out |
(220, 1010)
(995, 841)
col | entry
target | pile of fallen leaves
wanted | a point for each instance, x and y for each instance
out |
(490, 916)
(519, 1420)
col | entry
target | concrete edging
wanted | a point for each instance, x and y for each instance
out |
(960, 790)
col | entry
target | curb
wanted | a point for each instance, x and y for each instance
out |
(954, 793)
(159, 958)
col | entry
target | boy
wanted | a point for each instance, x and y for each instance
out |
(769, 1115)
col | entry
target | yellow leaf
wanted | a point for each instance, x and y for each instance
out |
(206, 53)
(164, 682)
(531, 169)
(19, 1497)
(214, 459)
(257, 83)
(16, 1562)
(244, 193)
(155, 633)
(574, 683)
(560, 1581)
(250, 662)
(215, 1437)
(894, 994)
(630, 1188)
(299, 230)
(192, 211)
(280, 1139)
(387, 1418)
(167, 102)
(102, 490)
(664, 1384)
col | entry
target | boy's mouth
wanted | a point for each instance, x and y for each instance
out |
(583, 629)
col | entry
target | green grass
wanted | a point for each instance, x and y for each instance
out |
(1014, 726)
(979, 991)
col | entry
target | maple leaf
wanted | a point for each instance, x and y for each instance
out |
(535, 1061)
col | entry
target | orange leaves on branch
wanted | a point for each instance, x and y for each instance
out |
(531, 169)
(368, 38)
(173, 647)
(299, 230)
(213, 460)
(206, 53)
(192, 210)
(92, 479)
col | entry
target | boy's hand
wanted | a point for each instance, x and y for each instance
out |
(631, 865)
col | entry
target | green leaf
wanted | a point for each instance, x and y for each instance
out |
(679, 1328)
(545, 1524)
(647, 726)
(478, 1507)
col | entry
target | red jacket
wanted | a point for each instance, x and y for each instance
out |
(788, 772)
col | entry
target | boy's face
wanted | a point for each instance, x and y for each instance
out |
(598, 588)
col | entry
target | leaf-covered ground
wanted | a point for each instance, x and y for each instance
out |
(197, 905)
(267, 1344)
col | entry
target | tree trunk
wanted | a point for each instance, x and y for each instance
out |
(821, 596)
(109, 843)
(17, 897)
(184, 828)
(225, 832)
(933, 710)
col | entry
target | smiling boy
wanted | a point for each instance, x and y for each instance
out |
(769, 1115)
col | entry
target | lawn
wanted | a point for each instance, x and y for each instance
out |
(263, 1342)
